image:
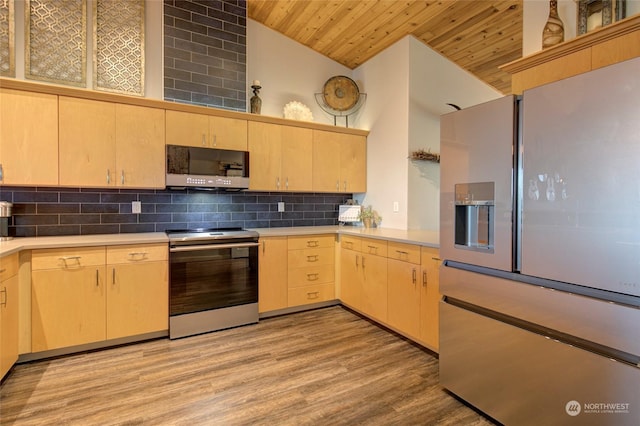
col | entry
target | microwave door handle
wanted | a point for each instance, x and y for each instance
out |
(211, 247)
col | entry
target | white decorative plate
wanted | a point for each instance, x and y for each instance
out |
(295, 110)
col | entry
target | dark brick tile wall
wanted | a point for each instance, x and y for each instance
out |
(205, 60)
(82, 211)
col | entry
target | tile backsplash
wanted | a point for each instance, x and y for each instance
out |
(39, 211)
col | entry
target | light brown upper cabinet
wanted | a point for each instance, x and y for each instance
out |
(279, 157)
(104, 144)
(28, 138)
(189, 129)
(339, 162)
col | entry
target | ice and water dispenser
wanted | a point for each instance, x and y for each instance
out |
(474, 216)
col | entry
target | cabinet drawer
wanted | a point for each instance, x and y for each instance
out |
(311, 294)
(311, 275)
(374, 247)
(310, 257)
(67, 258)
(137, 253)
(311, 241)
(8, 266)
(404, 252)
(350, 243)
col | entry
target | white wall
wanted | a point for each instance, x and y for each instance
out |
(386, 115)
(434, 82)
(288, 71)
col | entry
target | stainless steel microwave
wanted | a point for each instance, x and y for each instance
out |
(189, 166)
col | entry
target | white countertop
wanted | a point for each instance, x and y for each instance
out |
(423, 238)
(413, 236)
(32, 243)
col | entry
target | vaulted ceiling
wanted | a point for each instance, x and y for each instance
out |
(478, 35)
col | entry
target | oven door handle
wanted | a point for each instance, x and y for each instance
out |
(211, 246)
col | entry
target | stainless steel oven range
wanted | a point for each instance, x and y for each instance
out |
(213, 280)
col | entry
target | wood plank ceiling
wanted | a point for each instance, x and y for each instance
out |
(478, 35)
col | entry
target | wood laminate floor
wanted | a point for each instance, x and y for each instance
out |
(322, 367)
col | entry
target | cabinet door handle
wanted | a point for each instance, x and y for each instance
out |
(113, 276)
(97, 278)
(204, 140)
(1, 174)
(313, 294)
(357, 257)
(122, 177)
(313, 277)
(313, 243)
(312, 258)
(414, 276)
(4, 290)
(362, 262)
(262, 246)
(345, 185)
(278, 182)
(424, 278)
(338, 185)
(286, 183)
(2, 270)
(215, 140)
(108, 177)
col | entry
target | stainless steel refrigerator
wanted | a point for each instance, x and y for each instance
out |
(540, 232)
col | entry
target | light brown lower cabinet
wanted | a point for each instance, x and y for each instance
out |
(272, 274)
(77, 298)
(393, 283)
(311, 268)
(8, 313)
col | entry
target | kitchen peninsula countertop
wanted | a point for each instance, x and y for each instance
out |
(419, 237)
(32, 243)
(410, 236)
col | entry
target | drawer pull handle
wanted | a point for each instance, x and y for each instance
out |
(65, 259)
(313, 277)
(138, 255)
(349, 243)
(4, 290)
(437, 259)
(313, 294)
(373, 249)
(313, 243)
(2, 270)
(312, 258)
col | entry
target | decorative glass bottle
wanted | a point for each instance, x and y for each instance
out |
(553, 32)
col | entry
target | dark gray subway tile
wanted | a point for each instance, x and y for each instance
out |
(99, 229)
(127, 228)
(79, 219)
(79, 197)
(99, 208)
(118, 218)
(35, 197)
(44, 219)
(46, 231)
(46, 208)
(25, 231)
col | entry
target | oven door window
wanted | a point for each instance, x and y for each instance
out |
(214, 278)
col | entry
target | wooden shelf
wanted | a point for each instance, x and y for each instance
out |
(614, 43)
